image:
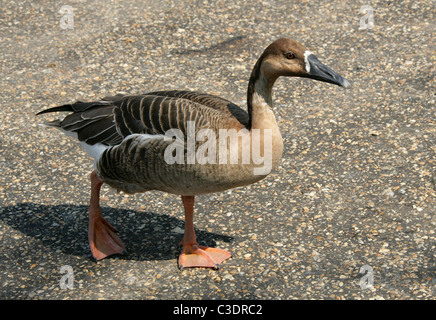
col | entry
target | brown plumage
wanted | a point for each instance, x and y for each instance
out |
(130, 137)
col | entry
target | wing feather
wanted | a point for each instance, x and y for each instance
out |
(112, 119)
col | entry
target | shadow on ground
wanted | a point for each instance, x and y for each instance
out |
(64, 228)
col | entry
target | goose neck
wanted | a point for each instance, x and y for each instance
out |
(259, 96)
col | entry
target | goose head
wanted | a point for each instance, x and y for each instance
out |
(286, 57)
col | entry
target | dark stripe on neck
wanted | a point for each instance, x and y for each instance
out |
(255, 74)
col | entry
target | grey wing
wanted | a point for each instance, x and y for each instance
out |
(211, 101)
(112, 119)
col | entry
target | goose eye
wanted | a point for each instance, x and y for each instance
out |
(290, 55)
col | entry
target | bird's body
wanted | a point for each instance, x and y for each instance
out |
(132, 135)
(187, 143)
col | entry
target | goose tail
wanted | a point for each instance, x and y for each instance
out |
(65, 107)
(57, 122)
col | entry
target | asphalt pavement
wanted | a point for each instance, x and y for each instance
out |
(349, 213)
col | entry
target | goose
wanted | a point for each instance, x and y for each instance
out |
(186, 143)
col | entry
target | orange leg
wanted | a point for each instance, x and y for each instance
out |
(194, 255)
(103, 240)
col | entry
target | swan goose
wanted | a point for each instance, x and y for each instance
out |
(141, 142)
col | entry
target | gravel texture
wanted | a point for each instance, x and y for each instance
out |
(356, 185)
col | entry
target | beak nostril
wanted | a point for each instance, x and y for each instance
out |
(321, 72)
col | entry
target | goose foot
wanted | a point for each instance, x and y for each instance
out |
(102, 237)
(199, 256)
(192, 254)
(103, 240)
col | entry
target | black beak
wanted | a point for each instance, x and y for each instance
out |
(316, 70)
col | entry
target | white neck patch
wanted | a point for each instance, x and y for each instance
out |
(306, 54)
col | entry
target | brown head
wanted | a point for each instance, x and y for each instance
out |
(286, 57)
(289, 58)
